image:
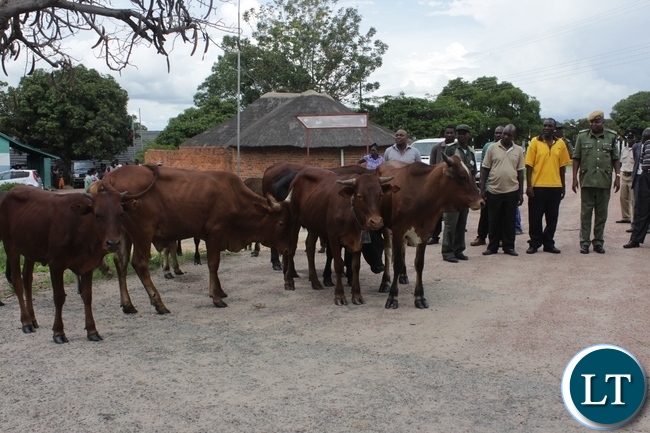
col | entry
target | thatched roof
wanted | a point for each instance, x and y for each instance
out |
(270, 121)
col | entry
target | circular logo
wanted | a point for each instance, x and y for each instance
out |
(604, 387)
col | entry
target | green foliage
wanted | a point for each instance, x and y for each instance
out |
(632, 113)
(75, 113)
(483, 104)
(299, 45)
(7, 186)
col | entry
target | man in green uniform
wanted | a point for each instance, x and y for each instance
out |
(594, 156)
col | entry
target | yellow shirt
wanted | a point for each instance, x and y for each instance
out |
(546, 161)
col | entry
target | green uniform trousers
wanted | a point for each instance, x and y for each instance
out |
(453, 238)
(593, 201)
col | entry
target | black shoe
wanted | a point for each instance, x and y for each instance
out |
(433, 241)
(599, 249)
(450, 259)
(623, 221)
(488, 252)
(462, 256)
(630, 230)
(531, 250)
(632, 244)
(552, 250)
(511, 252)
(584, 249)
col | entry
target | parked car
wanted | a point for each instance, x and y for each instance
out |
(478, 154)
(78, 172)
(22, 177)
(425, 145)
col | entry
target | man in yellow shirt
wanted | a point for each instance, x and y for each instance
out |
(546, 162)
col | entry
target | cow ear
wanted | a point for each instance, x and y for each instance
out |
(347, 192)
(131, 205)
(390, 188)
(448, 171)
(81, 208)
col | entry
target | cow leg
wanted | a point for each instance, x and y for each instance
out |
(87, 296)
(174, 256)
(214, 257)
(339, 294)
(165, 256)
(121, 261)
(310, 248)
(403, 278)
(140, 263)
(388, 259)
(275, 260)
(256, 251)
(398, 264)
(420, 301)
(197, 256)
(171, 251)
(355, 264)
(13, 263)
(289, 268)
(347, 262)
(28, 279)
(58, 290)
(327, 270)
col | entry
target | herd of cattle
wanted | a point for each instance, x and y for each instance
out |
(136, 207)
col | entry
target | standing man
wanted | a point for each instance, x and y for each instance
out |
(641, 222)
(546, 161)
(627, 168)
(453, 238)
(400, 151)
(595, 157)
(502, 171)
(559, 134)
(483, 224)
(436, 158)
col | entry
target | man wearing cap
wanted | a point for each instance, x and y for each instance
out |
(401, 151)
(641, 223)
(594, 158)
(627, 166)
(559, 134)
(435, 157)
(453, 238)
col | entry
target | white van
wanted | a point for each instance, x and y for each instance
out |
(425, 145)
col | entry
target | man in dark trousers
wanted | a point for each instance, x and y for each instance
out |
(641, 183)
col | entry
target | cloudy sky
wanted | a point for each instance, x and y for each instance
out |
(573, 56)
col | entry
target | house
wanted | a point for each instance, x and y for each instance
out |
(271, 133)
(27, 157)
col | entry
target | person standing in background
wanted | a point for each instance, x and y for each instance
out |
(435, 157)
(559, 134)
(373, 159)
(641, 223)
(627, 167)
(401, 151)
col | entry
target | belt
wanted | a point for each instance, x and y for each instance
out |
(645, 170)
(627, 173)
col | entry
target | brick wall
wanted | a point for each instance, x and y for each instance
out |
(253, 161)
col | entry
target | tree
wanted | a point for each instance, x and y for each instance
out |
(298, 45)
(632, 113)
(74, 113)
(37, 28)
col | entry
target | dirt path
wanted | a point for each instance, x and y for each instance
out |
(487, 356)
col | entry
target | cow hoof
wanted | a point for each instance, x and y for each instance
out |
(289, 286)
(220, 304)
(317, 286)
(255, 253)
(169, 276)
(197, 263)
(358, 301)
(391, 303)
(277, 267)
(179, 272)
(129, 309)
(162, 310)
(377, 269)
(95, 337)
(2, 304)
(328, 282)
(60, 339)
(340, 301)
(403, 279)
(384, 288)
(28, 329)
(421, 303)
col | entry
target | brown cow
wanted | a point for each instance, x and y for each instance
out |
(215, 206)
(426, 192)
(338, 208)
(67, 231)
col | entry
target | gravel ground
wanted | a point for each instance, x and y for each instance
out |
(487, 356)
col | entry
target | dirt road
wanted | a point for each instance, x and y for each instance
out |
(487, 356)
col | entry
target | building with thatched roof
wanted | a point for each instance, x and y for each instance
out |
(270, 133)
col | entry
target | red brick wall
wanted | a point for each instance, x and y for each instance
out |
(253, 161)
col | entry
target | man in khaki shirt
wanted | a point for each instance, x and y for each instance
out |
(503, 170)
(627, 165)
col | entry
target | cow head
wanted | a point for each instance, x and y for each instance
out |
(365, 192)
(107, 210)
(276, 219)
(461, 187)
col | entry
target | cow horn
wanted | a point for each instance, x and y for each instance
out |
(273, 204)
(288, 199)
(386, 179)
(348, 182)
(123, 194)
(88, 195)
(448, 160)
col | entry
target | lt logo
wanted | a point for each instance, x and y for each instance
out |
(604, 387)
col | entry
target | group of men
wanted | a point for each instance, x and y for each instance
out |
(595, 158)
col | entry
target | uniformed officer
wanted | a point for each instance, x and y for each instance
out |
(595, 156)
